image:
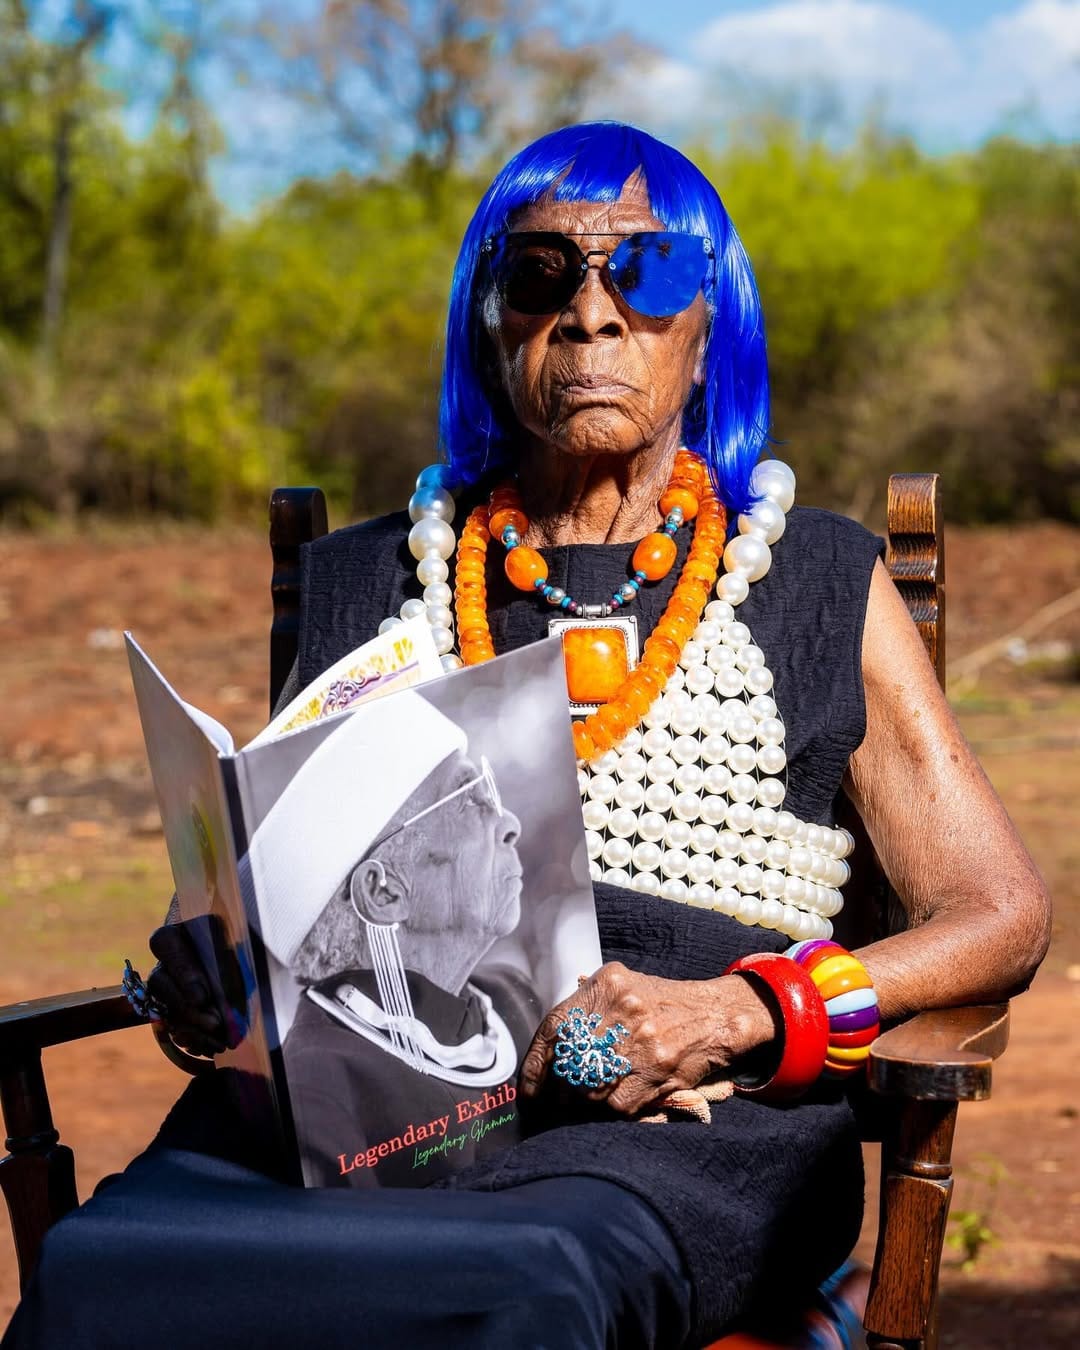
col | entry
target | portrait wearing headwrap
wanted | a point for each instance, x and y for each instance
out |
(385, 872)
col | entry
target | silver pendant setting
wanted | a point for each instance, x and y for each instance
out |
(625, 626)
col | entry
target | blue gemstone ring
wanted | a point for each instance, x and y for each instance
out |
(585, 1058)
(140, 998)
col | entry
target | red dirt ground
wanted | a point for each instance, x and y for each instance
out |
(84, 876)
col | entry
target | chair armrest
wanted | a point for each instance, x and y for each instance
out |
(943, 1055)
(36, 1023)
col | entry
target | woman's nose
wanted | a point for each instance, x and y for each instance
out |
(592, 312)
(508, 828)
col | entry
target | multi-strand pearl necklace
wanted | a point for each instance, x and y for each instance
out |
(688, 805)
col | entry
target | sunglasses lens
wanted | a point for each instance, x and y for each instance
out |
(659, 274)
(535, 275)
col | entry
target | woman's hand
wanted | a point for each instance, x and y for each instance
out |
(680, 1032)
(179, 984)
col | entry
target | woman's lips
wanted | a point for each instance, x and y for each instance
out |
(597, 386)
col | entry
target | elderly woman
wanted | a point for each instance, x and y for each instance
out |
(605, 403)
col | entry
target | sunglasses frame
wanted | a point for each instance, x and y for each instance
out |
(485, 776)
(565, 242)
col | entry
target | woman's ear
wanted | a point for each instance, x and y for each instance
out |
(699, 363)
(379, 894)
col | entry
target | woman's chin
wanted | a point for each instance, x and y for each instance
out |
(594, 431)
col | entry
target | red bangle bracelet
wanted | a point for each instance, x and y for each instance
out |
(806, 1025)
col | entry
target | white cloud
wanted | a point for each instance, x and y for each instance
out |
(1035, 28)
(865, 44)
(833, 59)
(1036, 54)
(666, 97)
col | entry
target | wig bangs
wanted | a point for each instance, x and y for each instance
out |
(592, 163)
(726, 418)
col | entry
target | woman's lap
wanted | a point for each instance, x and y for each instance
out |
(194, 1251)
(584, 1236)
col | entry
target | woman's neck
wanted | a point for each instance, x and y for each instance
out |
(600, 499)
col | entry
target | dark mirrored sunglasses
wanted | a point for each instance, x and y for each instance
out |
(657, 272)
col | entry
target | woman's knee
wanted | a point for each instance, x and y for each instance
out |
(603, 1270)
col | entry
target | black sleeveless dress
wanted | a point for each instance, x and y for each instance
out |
(761, 1189)
(600, 1232)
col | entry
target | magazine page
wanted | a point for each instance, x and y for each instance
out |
(397, 659)
(418, 876)
(190, 783)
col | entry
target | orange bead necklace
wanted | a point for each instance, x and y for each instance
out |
(687, 495)
(653, 558)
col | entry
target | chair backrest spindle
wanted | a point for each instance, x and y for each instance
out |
(916, 556)
(297, 515)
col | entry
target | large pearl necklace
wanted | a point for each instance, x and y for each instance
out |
(688, 805)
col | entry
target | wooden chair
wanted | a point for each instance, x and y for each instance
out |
(919, 1071)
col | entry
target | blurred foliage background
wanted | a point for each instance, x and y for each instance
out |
(160, 353)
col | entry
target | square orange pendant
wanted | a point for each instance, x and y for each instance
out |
(599, 654)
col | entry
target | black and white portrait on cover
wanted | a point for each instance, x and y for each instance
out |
(409, 967)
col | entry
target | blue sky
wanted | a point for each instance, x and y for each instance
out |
(671, 23)
(948, 73)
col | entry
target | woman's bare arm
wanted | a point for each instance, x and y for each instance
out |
(979, 909)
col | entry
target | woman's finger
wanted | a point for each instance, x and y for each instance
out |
(174, 949)
(632, 1094)
(541, 1054)
(162, 989)
(194, 1044)
(180, 1015)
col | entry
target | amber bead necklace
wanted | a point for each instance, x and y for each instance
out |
(653, 557)
(688, 494)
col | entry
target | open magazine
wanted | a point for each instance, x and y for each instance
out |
(389, 888)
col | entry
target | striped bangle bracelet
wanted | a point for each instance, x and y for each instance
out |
(850, 1003)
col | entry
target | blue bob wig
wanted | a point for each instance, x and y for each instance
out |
(726, 419)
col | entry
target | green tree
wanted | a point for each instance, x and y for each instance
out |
(440, 83)
(922, 311)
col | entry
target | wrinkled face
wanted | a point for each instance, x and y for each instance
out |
(465, 875)
(597, 378)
